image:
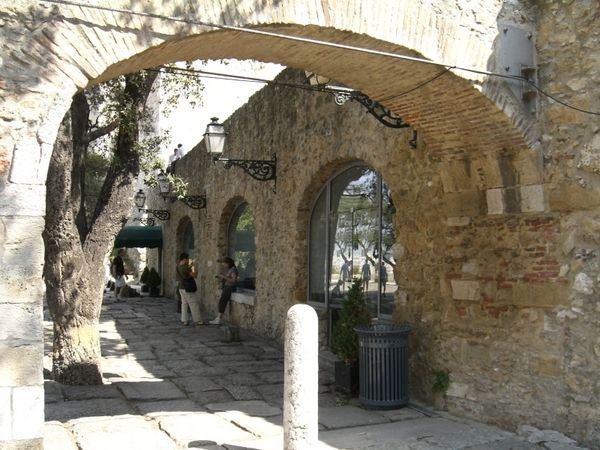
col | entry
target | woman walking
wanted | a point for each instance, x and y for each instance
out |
(186, 284)
(228, 278)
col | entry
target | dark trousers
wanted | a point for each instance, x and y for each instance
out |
(225, 297)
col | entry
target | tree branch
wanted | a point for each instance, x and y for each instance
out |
(102, 131)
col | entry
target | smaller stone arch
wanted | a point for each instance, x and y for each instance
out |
(186, 236)
(224, 221)
(237, 239)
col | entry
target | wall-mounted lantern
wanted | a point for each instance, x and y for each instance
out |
(343, 94)
(192, 201)
(140, 201)
(214, 139)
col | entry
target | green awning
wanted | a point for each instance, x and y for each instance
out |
(142, 237)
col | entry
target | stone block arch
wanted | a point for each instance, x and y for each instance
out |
(72, 47)
(185, 241)
(224, 222)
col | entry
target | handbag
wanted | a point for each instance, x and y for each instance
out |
(189, 285)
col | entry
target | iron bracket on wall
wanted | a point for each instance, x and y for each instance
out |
(194, 201)
(146, 221)
(376, 109)
(160, 214)
(261, 170)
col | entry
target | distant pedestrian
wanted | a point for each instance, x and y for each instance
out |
(383, 277)
(365, 274)
(117, 270)
(228, 278)
(186, 281)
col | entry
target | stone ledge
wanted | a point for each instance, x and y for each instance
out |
(244, 297)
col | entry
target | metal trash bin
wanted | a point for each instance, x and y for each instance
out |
(383, 365)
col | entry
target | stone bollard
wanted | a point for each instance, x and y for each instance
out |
(301, 379)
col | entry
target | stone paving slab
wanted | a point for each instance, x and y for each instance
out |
(348, 416)
(90, 392)
(418, 434)
(239, 392)
(65, 411)
(194, 384)
(511, 443)
(53, 392)
(241, 379)
(209, 397)
(275, 376)
(258, 426)
(150, 390)
(257, 408)
(272, 393)
(226, 360)
(186, 429)
(57, 437)
(121, 433)
(168, 407)
(397, 415)
(140, 355)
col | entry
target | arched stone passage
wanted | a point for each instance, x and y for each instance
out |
(73, 47)
(54, 51)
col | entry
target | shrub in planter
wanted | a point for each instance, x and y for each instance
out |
(154, 282)
(354, 312)
(144, 279)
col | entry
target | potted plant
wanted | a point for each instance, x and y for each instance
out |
(354, 312)
(144, 279)
(154, 282)
(441, 383)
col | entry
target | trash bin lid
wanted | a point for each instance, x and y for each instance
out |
(383, 328)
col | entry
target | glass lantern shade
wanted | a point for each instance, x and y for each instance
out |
(163, 183)
(214, 137)
(316, 80)
(140, 199)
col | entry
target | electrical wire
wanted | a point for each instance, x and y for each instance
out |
(244, 78)
(322, 43)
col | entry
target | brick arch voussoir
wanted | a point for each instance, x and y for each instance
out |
(78, 47)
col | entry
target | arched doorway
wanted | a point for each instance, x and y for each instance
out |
(352, 235)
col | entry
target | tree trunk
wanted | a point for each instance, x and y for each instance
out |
(75, 252)
(71, 291)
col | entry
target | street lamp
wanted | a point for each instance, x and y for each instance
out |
(259, 169)
(192, 201)
(140, 201)
(343, 94)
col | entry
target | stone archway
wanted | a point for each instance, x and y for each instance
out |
(64, 48)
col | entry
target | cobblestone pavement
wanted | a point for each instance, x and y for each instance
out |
(170, 387)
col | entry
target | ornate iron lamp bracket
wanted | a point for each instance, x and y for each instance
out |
(160, 214)
(146, 221)
(261, 170)
(194, 201)
(376, 109)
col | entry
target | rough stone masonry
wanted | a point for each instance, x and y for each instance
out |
(498, 208)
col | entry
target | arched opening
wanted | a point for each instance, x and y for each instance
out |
(352, 235)
(242, 246)
(185, 237)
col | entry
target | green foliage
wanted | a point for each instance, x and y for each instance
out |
(145, 275)
(354, 312)
(96, 168)
(153, 278)
(441, 381)
(179, 82)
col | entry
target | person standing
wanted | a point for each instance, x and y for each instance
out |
(228, 278)
(117, 270)
(383, 277)
(186, 270)
(365, 274)
(177, 154)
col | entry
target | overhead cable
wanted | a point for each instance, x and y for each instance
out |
(319, 42)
